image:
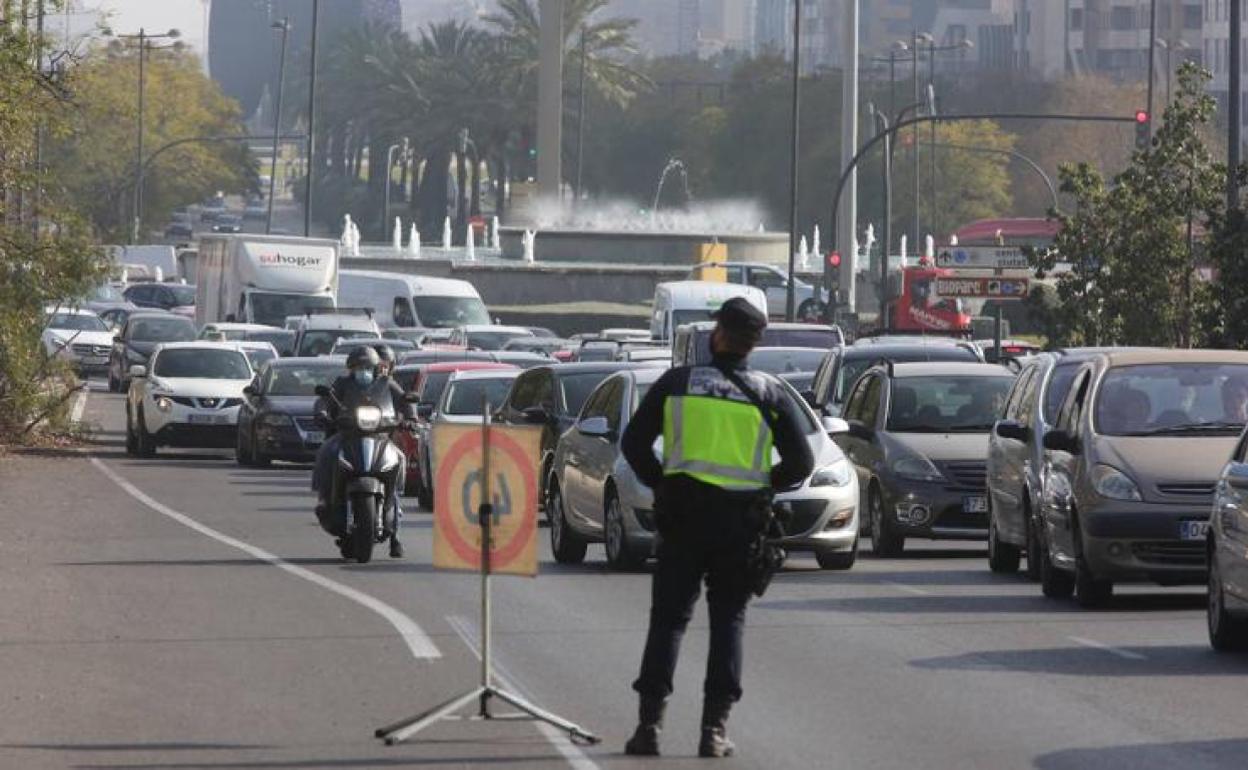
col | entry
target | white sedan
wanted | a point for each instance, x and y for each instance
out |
(188, 395)
(78, 336)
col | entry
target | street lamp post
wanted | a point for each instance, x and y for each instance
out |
(915, 39)
(144, 46)
(385, 206)
(284, 26)
(790, 299)
(307, 178)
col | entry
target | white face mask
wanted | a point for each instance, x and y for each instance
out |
(363, 376)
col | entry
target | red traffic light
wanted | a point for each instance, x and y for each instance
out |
(834, 259)
(1141, 116)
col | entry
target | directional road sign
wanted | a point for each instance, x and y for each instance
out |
(457, 485)
(990, 288)
(982, 257)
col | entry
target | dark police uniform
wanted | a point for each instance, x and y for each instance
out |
(716, 461)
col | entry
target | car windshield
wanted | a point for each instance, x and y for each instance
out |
(852, 368)
(77, 322)
(434, 384)
(1059, 386)
(320, 342)
(171, 329)
(106, 293)
(272, 309)
(449, 312)
(281, 339)
(493, 340)
(299, 380)
(682, 317)
(813, 337)
(259, 356)
(781, 361)
(468, 396)
(199, 363)
(946, 404)
(577, 387)
(182, 294)
(1172, 399)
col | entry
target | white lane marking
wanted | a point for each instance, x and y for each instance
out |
(558, 739)
(1112, 650)
(80, 404)
(909, 589)
(418, 642)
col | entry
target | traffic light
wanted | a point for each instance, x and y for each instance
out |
(1143, 129)
(832, 275)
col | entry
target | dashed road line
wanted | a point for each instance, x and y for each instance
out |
(909, 589)
(1112, 650)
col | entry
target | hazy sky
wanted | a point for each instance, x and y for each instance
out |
(187, 16)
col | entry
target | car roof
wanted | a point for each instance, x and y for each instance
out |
(335, 321)
(420, 285)
(460, 366)
(1166, 356)
(589, 367)
(326, 361)
(158, 314)
(254, 345)
(500, 373)
(474, 328)
(235, 326)
(951, 369)
(201, 345)
(854, 353)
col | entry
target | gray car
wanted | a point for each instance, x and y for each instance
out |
(1016, 456)
(1131, 466)
(918, 436)
(1228, 555)
(596, 497)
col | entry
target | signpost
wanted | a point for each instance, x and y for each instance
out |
(983, 288)
(982, 257)
(485, 519)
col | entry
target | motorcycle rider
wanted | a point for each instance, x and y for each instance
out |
(359, 382)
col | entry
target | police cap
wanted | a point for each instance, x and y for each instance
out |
(739, 315)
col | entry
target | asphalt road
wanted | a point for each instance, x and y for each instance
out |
(183, 612)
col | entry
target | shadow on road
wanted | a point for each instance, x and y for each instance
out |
(1151, 756)
(305, 561)
(976, 603)
(137, 746)
(1186, 660)
(799, 573)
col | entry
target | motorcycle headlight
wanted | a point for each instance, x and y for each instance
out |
(367, 417)
(1112, 483)
(163, 403)
(276, 421)
(838, 474)
(915, 468)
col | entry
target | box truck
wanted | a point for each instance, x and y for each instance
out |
(263, 278)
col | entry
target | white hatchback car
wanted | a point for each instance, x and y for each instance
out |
(188, 395)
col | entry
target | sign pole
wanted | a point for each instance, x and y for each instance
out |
(404, 729)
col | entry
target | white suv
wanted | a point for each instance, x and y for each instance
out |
(188, 395)
(317, 333)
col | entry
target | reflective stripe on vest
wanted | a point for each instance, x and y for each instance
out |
(720, 441)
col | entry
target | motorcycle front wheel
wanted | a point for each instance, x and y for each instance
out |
(363, 523)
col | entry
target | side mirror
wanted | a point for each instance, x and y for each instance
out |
(138, 370)
(860, 430)
(1061, 441)
(536, 415)
(834, 426)
(1236, 475)
(249, 391)
(595, 427)
(322, 390)
(424, 410)
(1011, 430)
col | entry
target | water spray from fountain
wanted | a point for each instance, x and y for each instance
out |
(528, 241)
(413, 243)
(803, 255)
(495, 241)
(398, 235)
(470, 245)
(904, 245)
(446, 233)
(677, 165)
(815, 246)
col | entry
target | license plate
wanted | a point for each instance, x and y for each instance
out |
(209, 419)
(314, 436)
(976, 504)
(94, 360)
(1193, 530)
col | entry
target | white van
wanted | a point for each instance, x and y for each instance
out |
(401, 300)
(682, 302)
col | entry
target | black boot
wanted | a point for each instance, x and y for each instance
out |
(396, 548)
(715, 741)
(645, 740)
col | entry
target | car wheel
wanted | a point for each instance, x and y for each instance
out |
(621, 553)
(1003, 558)
(569, 548)
(1090, 591)
(114, 385)
(1033, 543)
(1227, 633)
(884, 540)
(1054, 583)
(242, 454)
(837, 560)
(258, 457)
(132, 444)
(144, 442)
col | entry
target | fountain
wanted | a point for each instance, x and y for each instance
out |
(413, 243)
(470, 245)
(815, 245)
(803, 255)
(494, 242)
(672, 165)
(398, 235)
(446, 233)
(529, 238)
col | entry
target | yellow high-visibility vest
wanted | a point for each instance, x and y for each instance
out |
(714, 434)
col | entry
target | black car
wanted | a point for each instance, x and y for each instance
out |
(552, 396)
(435, 356)
(161, 296)
(275, 421)
(281, 339)
(134, 344)
(179, 228)
(115, 317)
(842, 366)
(228, 223)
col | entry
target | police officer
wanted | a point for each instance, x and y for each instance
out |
(716, 467)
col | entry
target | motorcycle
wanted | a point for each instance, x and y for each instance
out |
(366, 473)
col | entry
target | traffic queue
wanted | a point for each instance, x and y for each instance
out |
(1092, 467)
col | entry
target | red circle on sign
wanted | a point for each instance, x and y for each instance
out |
(466, 551)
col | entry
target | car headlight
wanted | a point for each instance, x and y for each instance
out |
(1112, 483)
(367, 417)
(163, 403)
(838, 474)
(915, 468)
(276, 421)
